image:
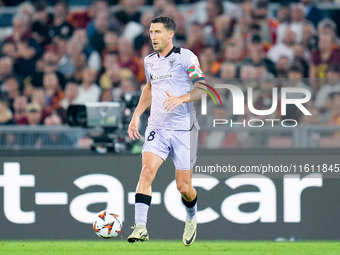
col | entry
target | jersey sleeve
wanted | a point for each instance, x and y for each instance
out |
(192, 67)
(146, 71)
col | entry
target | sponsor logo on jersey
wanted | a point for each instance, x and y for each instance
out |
(154, 77)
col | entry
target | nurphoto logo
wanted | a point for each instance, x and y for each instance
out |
(238, 99)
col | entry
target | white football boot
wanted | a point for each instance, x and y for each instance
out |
(139, 233)
(190, 231)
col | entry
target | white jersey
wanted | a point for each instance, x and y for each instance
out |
(175, 73)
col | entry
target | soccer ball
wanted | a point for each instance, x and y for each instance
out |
(107, 224)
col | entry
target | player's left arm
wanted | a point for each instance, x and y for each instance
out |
(172, 102)
(196, 75)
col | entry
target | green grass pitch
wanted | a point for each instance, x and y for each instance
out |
(116, 247)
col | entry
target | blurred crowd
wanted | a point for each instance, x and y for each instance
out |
(54, 57)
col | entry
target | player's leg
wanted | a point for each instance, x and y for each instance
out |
(188, 192)
(184, 154)
(189, 198)
(150, 165)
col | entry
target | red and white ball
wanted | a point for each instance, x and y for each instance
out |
(107, 224)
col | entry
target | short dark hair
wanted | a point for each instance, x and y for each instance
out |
(218, 4)
(296, 68)
(40, 5)
(262, 4)
(62, 2)
(169, 23)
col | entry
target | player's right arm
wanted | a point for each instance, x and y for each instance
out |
(143, 104)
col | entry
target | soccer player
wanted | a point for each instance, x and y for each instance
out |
(174, 80)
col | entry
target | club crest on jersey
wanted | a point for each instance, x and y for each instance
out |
(171, 62)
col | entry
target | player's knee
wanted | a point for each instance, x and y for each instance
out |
(183, 188)
(146, 175)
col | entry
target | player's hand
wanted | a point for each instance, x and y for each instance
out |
(133, 129)
(172, 102)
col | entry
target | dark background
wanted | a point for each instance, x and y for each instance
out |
(57, 172)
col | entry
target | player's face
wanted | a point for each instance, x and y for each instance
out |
(160, 37)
